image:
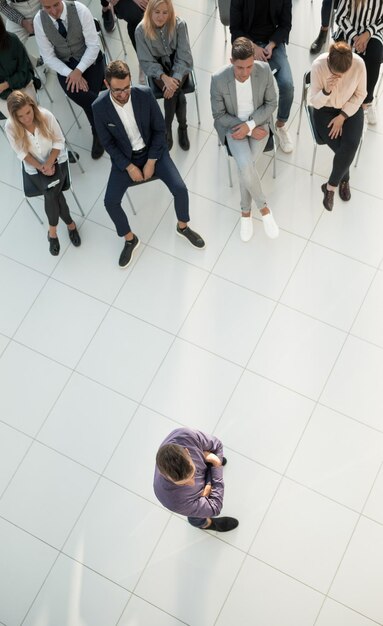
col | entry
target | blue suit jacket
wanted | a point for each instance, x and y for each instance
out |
(111, 131)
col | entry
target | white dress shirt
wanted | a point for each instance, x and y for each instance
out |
(126, 115)
(47, 50)
(245, 102)
(40, 147)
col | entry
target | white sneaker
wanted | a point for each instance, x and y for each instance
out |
(270, 225)
(285, 141)
(371, 114)
(246, 230)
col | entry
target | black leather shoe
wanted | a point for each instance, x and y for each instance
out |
(319, 42)
(127, 253)
(54, 245)
(108, 21)
(183, 138)
(223, 524)
(328, 198)
(344, 190)
(37, 82)
(169, 138)
(97, 149)
(71, 158)
(194, 238)
(74, 237)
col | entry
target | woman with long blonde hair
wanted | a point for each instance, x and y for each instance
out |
(360, 23)
(36, 137)
(163, 50)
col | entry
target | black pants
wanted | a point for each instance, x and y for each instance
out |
(372, 58)
(176, 105)
(132, 14)
(94, 76)
(345, 146)
(119, 182)
(55, 204)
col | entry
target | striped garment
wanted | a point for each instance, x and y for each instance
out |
(10, 12)
(353, 21)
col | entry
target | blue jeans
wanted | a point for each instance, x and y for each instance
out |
(284, 78)
(246, 152)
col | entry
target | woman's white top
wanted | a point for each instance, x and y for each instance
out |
(40, 147)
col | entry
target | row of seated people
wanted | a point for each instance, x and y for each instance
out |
(242, 119)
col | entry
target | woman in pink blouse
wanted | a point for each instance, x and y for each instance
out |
(338, 89)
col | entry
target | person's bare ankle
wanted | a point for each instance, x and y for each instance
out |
(265, 210)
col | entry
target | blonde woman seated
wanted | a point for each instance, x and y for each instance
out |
(163, 50)
(338, 89)
(36, 137)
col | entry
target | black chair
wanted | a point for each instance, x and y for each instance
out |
(269, 147)
(224, 15)
(189, 86)
(31, 191)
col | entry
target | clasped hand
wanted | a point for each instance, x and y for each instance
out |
(48, 169)
(170, 86)
(137, 175)
(360, 42)
(76, 82)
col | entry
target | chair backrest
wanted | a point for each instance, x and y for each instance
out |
(224, 11)
(310, 109)
(29, 184)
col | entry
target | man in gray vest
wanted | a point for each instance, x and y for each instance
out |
(68, 42)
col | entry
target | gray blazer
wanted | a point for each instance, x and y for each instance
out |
(223, 96)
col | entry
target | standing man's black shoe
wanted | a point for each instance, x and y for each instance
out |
(194, 238)
(108, 20)
(97, 148)
(127, 253)
(183, 138)
(222, 524)
(319, 42)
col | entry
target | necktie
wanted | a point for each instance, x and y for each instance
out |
(61, 28)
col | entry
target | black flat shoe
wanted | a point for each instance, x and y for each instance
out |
(319, 42)
(328, 198)
(344, 190)
(183, 138)
(97, 148)
(54, 245)
(74, 237)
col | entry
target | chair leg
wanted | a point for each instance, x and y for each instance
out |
(73, 111)
(122, 41)
(197, 105)
(358, 153)
(105, 46)
(225, 33)
(229, 170)
(313, 161)
(274, 162)
(74, 154)
(33, 210)
(131, 203)
(77, 202)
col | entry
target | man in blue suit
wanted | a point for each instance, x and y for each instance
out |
(131, 128)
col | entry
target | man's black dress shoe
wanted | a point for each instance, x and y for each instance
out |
(97, 148)
(183, 138)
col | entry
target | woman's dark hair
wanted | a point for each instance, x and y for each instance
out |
(173, 462)
(340, 57)
(4, 36)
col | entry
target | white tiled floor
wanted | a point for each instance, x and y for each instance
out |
(275, 346)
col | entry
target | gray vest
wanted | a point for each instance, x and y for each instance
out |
(74, 45)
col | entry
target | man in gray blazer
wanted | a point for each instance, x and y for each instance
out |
(243, 98)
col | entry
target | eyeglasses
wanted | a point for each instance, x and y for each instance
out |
(117, 90)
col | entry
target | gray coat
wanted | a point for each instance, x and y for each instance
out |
(223, 96)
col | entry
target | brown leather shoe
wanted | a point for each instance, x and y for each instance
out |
(344, 190)
(328, 198)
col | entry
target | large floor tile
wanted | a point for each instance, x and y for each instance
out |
(73, 595)
(265, 433)
(61, 323)
(374, 505)
(161, 290)
(4, 341)
(13, 446)
(178, 565)
(47, 494)
(263, 595)
(335, 613)
(263, 265)
(138, 449)
(212, 221)
(338, 457)
(328, 286)
(87, 422)
(19, 287)
(24, 564)
(42, 381)
(10, 201)
(134, 352)
(368, 324)
(116, 534)
(192, 386)
(357, 582)
(355, 385)
(304, 535)
(138, 613)
(297, 351)
(227, 320)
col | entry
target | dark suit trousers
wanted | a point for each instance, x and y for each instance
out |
(94, 76)
(119, 182)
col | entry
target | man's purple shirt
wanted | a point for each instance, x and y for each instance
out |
(186, 499)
